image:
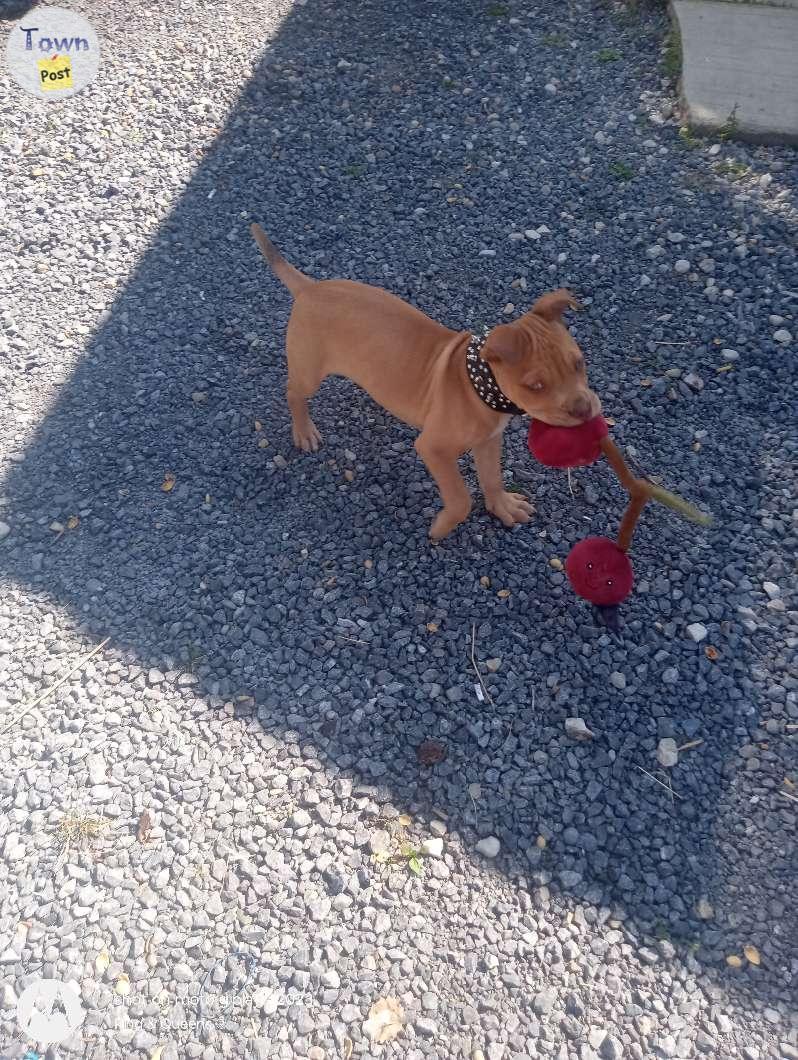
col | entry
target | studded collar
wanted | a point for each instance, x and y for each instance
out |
(484, 381)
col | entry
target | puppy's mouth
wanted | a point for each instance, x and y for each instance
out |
(563, 419)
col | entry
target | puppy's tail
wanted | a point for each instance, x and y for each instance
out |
(293, 279)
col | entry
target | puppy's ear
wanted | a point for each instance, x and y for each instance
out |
(551, 306)
(505, 343)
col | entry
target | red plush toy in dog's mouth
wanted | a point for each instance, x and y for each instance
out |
(598, 568)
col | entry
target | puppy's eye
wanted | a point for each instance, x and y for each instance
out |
(537, 386)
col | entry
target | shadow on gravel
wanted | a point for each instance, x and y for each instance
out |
(319, 597)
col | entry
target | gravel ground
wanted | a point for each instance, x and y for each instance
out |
(211, 828)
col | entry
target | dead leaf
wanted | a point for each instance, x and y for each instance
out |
(484, 581)
(123, 984)
(368, 564)
(208, 498)
(432, 627)
(711, 653)
(349, 475)
(734, 961)
(503, 594)
(101, 962)
(404, 820)
(258, 425)
(555, 563)
(540, 842)
(168, 483)
(263, 443)
(725, 368)
(474, 791)
(386, 1018)
(646, 382)
(146, 821)
(347, 1048)
(430, 752)
(752, 955)
(609, 421)
(73, 522)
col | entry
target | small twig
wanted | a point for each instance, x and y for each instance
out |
(689, 746)
(787, 795)
(671, 343)
(656, 781)
(570, 483)
(474, 663)
(52, 688)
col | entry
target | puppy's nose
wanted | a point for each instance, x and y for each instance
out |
(582, 408)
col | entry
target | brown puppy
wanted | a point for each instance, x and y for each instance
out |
(417, 370)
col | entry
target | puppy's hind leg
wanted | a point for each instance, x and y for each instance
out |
(305, 375)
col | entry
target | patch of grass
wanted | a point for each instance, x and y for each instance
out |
(555, 40)
(79, 830)
(498, 10)
(449, 83)
(689, 141)
(728, 130)
(608, 55)
(672, 53)
(622, 170)
(731, 168)
(355, 170)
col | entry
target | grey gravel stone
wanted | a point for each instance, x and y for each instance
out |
(488, 847)
(576, 729)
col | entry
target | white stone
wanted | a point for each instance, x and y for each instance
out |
(576, 729)
(783, 336)
(489, 847)
(667, 753)
(5, 529)
(704, 910)
(433, 848)
(682, 266)
(697, 632)
(772, 590)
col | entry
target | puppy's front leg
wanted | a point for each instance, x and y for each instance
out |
(441, 463)
(510, 508)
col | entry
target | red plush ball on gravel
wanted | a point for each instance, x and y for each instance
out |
(599, 571)
(567, 446)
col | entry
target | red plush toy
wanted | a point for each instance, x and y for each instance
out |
(599, 569)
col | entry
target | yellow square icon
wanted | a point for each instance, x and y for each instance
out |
(55, 73)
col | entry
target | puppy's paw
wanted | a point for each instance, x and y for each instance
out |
(510, 508)
(307, 437)
(447, 519)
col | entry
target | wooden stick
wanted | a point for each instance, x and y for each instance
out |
(52, 688)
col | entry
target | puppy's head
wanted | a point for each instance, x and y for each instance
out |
(539, 366)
